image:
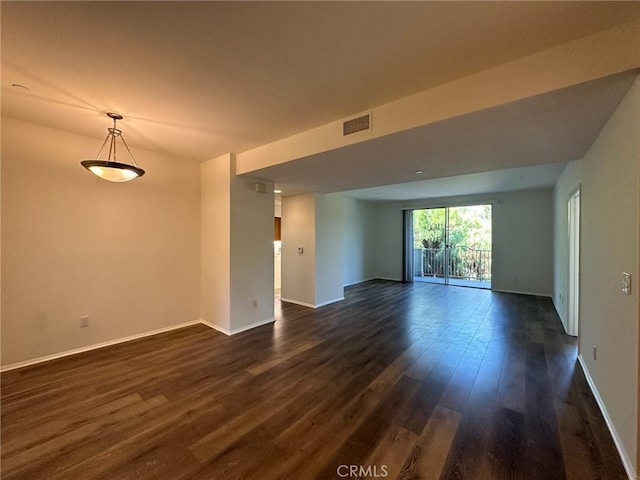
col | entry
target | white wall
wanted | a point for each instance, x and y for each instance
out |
(359, 228)
(522, 238)
(237, 248)
(329, 249)
(298, 229)
(314, 222)
(216, 241)
(388, 244)
(251, 253)
(127, 255)
(609, 319)
(523, 242)
(568, 183)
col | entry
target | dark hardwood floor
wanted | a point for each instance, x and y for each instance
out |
(409, 381)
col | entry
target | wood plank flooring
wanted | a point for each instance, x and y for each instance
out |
(407, 381)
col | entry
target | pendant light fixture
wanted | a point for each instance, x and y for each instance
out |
(110, 169)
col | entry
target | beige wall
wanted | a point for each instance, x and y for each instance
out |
(388, 241)
(126, 255)
(237, 248)
(314, 222)
(329, 249)
(523, 242)
(252, 237)
(359, 229)
(609, 318)
(216, 241)
(298, 229)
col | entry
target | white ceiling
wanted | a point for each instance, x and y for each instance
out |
(546, 129)
(510, 179)
(198, 79)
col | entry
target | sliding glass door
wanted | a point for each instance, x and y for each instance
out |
(452, 245)
(430, 240)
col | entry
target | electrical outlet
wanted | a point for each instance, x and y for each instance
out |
(595, 352)
(84, 321)
(254, 303)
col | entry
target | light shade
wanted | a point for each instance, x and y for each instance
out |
(110, 169)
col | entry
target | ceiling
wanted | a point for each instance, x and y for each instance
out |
(198, 79)
(506, 180)
(545, 129)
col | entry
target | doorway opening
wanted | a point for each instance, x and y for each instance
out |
(452, 245)
(574, 263)
(277, 247)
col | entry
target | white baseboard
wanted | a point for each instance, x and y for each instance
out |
(310, 305)
(95, 346)
(359, 281)
(304, 304)
(241, 329)
(334, 300)
(624, 456)
(521, 292)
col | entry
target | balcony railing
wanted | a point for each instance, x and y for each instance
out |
(463, 263)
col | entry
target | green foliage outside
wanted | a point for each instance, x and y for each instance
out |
(468, 226)
(469, 242)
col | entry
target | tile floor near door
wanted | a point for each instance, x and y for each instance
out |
(414, 381)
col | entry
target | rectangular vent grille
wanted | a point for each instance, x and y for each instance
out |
(356, 125)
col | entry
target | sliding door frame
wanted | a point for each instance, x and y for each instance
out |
(408, 268)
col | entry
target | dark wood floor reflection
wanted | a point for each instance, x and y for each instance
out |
(399, 381)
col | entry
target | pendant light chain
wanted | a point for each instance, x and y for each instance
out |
(102, 148)
(110, 169)
(128, 151)
(113, 138)
(112, 146)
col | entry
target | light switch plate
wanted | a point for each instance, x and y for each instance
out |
(626, 283)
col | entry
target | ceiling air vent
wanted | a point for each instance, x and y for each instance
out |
(355, 125)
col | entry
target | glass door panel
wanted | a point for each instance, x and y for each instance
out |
(469, 242)
(429, 238)
(453, 245)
